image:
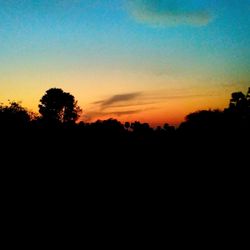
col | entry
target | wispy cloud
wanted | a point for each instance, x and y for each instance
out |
(127, 112)
(170, 12)
(123, 98)
(133, 103)
(116, 105)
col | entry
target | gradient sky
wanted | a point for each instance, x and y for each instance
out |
(144, 60)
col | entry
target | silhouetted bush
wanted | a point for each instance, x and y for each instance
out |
(14, 116)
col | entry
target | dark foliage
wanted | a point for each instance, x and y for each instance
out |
(14, 116)
(205, 158)
(57, 129)
(58, 107)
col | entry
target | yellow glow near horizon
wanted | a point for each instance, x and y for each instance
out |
(157, 105)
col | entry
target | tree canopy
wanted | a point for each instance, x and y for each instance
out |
(57, 106)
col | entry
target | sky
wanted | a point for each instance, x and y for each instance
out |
(148, 60)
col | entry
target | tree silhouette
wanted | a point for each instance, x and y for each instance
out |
(209, 121)
(240, 102)
(238, 112)
(248, 93)
(168, 128)
(59, 107)
(248, 98)
(141, 129)
(14, 116)
(127, 125)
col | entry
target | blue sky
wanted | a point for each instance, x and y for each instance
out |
(103, 48)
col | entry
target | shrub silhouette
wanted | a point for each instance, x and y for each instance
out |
(14, 116)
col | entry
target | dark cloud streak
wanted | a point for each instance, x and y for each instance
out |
(122, 104)
(123, 98)
(120, 98)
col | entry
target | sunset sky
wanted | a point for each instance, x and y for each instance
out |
(148, 60)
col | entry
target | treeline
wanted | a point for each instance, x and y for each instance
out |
(59, 110)
(209, 147)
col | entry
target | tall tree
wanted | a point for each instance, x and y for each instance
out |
(57, 106)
